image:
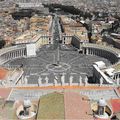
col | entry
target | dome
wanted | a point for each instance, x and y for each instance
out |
(27, 103)
(102, 102)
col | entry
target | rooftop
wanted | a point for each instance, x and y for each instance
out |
(115, 105)
(3, 73)
(51, 106)
(76, 107)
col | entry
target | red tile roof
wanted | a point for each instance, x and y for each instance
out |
(4, 92)
(3, 73)
(115, 105)
(77, 108)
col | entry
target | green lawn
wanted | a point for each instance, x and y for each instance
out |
(117, 67)
(51, 107)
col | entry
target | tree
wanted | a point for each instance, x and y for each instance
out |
(2, 43)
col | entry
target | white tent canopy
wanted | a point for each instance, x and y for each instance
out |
(100, 64)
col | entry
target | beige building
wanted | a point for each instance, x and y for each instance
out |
(73, 28)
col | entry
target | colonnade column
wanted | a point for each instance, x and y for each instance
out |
(98, 52)
(86, 51)
(18, 53)
(116, 76)
(5, 57)
(83, 51)
(90, 51)
(93, 51)
(14, 54)
(10, 54)
(22, 52)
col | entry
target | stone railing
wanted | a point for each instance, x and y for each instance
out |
(52, 85)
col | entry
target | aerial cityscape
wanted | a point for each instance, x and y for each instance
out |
(60, 59)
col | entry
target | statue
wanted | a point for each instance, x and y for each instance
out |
(86, 80)
(63, 79)
(46, 79)
(80, 80)
(39, 80)
(101, 81)
(55, 82)
(26, 80)
(71, 80)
